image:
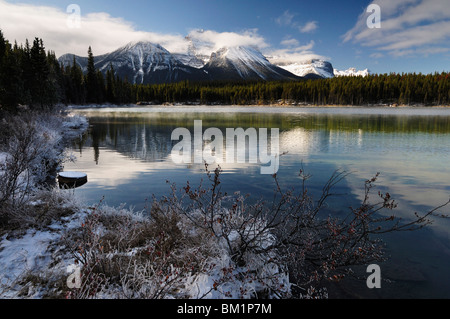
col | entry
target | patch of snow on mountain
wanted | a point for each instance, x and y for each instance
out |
(194, 61)
(245, 55)
(303, 68)
(352, 72)
(244, 59)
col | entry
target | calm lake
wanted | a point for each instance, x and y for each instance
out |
(127, 157)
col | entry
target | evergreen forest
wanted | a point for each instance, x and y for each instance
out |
(32, 76)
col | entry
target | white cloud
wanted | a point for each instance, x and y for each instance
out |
(290, 42)
(297, 54)
(287, 19)
(208, 41)
(308, 27)
(106, 33)
(376, 55)
(99, 30)
(408, 27)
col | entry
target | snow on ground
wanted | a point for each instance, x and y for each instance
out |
(41, 252)
(36, 253)
(75, 121)
(30, 250)
(74, 125)
(29, 254)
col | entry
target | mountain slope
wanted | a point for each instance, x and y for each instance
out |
(145, 62)
(244, 63)
(190, 60)
(67, 60)
(310, 69)
(141, 63)
(149, 63)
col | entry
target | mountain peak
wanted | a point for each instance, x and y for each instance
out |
(144, 62)
(312, 68)
(244, 62)
(243, 53)
(144, 45)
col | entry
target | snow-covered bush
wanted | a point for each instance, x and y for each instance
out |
(250, 265)
(198, 243)
(173, 250)
(32, 149)
(202, 243)
(24, 160)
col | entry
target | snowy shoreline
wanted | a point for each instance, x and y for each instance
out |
(293, 105)
(27, 249)
(287, 105)
(37, 257)
(100, 110)
(35, 260)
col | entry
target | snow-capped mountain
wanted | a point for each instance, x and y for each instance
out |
(194, 61)
(240, 62)
(141, 62)
(352, 72)
(193, 57)
(145, 62)
(68, 59)
(311, 69)
(149, 63)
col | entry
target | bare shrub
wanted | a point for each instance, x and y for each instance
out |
(42, 208)
(202, 243)
(290, 234)
(319, 249)
(31, 149)
(22, 150)
(145, 257)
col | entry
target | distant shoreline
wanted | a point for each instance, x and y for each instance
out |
(275, 105)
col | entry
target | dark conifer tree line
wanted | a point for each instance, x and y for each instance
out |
(32, 76)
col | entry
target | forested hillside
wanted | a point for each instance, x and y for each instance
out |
(431, 89)
(32, 76)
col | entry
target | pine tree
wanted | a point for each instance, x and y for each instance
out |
(78, 84)
(91, 79)
(11, 87)
(110, 85)
(41, 88)
(100, 87)
(56, 80)
(27, 73)
(2, 55)
(2, 47)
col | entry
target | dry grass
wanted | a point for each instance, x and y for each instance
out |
(147, 256)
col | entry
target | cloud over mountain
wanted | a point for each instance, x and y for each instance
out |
(99, 30)
(208, 41)
(105, 33)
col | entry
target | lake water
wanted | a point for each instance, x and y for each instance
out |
(127, 156)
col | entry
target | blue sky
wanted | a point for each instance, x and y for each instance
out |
(414, 34)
